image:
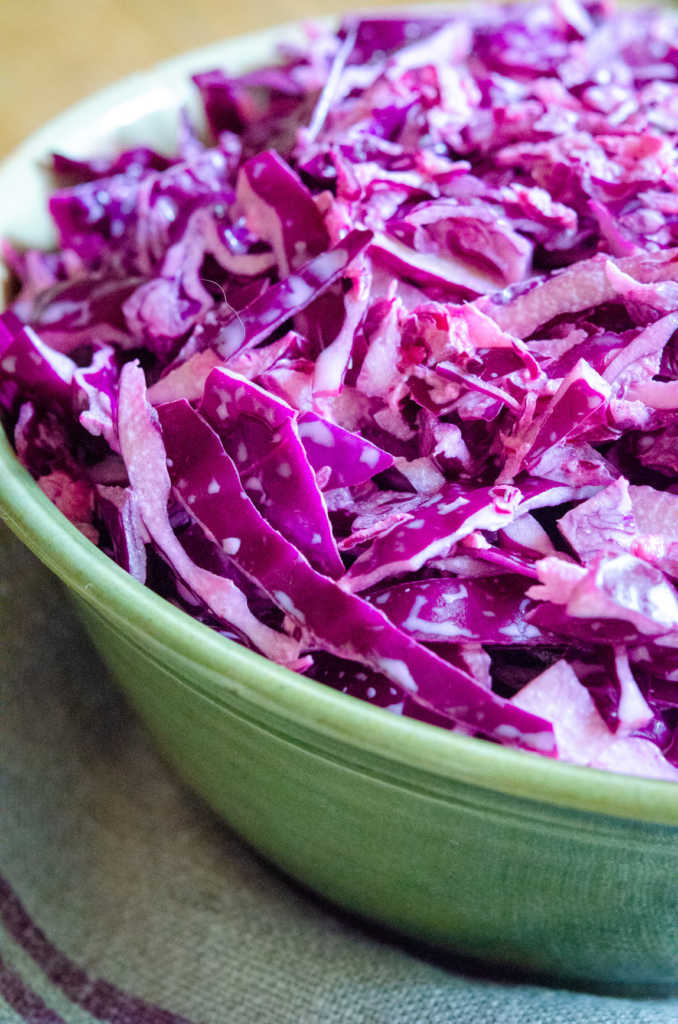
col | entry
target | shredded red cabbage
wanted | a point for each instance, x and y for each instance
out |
(382, 379)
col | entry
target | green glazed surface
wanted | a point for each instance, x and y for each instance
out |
(490, 852)
(482, 850)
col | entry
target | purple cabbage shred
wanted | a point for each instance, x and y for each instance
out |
(381, 378)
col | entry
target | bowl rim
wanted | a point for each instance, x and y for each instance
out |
(98, 580)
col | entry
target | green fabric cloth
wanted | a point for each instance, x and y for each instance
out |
(126, 900)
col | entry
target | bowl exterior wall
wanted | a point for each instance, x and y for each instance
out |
(574, 894)
(549, 890)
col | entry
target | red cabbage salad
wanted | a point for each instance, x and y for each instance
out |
(380, 376)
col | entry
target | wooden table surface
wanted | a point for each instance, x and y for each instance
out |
(53, 52)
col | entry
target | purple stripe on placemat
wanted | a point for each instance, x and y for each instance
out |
(99, 998)
(23, 1001)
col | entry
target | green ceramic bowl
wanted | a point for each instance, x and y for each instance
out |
(497, 854)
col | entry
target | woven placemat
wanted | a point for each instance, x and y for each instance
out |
(123, 899)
